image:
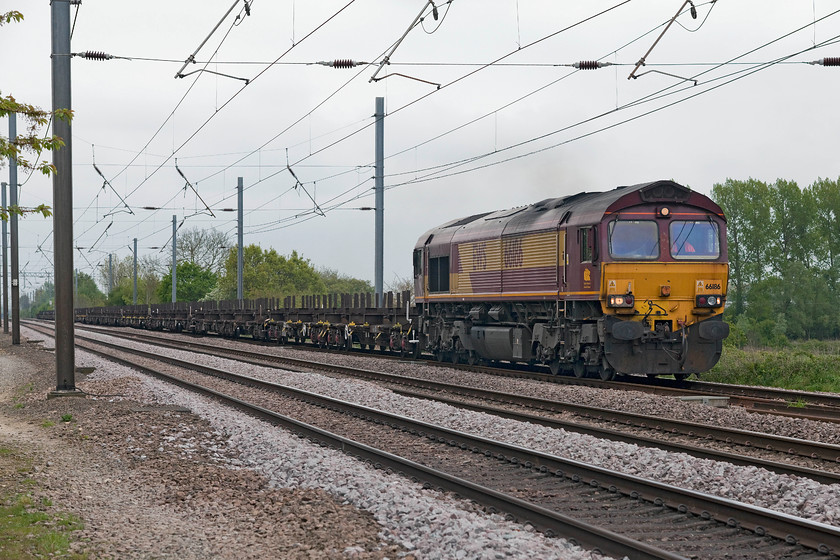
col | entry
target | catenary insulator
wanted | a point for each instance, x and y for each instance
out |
(95, 55)
(340, 63)
(590, 64)
(829, 61)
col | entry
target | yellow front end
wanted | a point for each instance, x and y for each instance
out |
(665, 291)
(663, 318)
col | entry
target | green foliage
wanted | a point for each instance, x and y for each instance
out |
(337, 283)
(120, 276)
(88, 293)
(29, 531)
(805, 366)
(783, 256)
(42, 300)
(30, 142)
(122, 294)
(269, 274)
(194, 283)
(9, 16)
(66, 418)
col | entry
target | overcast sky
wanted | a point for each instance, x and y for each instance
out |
(462, 135)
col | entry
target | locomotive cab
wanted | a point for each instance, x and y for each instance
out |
(663, 285)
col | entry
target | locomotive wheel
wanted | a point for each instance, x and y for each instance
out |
(681, 376)
(554, 367)
(455, 357)
(579, 369)
(472, 358)
(440, 356)
(607, 373)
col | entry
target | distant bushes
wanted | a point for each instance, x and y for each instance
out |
(808, 366)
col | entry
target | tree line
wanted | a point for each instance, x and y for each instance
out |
(205, 270)
(784, 259)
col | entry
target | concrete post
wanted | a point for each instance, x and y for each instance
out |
(379, 188)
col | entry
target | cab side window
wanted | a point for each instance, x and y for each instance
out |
(588, 245)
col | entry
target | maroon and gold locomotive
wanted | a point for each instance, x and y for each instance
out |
(632, 281)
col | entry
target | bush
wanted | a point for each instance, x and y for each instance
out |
(800, 367)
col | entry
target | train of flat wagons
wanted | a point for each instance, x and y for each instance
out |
(628, 281)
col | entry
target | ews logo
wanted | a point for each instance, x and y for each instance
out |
(479, 256)
(513, 256)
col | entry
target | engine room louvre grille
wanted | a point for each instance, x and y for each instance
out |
(439, 274)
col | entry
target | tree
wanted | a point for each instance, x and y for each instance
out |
(42, 300)
(194, 282)
(400, 284)
(206, 248)
(746, 205)
(269, 274)
(87, 292)
(791, 229)
(122, 282)
(826, 196)
(338, 283)
(783, 254)
(30, 143)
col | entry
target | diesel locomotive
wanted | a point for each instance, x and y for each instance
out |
(629, 281)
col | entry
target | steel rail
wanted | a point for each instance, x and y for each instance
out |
(814, 535)
(550, 522)
(764, 400)
(746, 438)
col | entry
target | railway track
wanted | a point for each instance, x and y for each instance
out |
(767, 400)
(637, 507)
(780, 454)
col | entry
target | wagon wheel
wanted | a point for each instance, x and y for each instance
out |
(554, 367)
(440, 356)
(472, 358)
(681, 376)
(455, 357)
(579, 369)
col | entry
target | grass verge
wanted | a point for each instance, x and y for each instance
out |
(30, 528)
(804, 366)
